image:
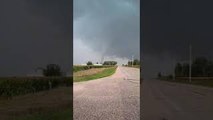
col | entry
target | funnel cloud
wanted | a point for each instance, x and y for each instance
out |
(109, 28)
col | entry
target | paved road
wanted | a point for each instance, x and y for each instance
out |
(112, 98)
(163, 100)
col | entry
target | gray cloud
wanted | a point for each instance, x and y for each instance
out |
(169, 26)
(33, 34)
(108, 26)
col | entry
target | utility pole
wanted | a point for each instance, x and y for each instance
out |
(190, 62)
(132, 59)
(174, 69)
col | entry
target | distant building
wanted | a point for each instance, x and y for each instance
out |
(97, 64)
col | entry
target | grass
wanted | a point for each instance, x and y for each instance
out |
(134, 66)
(104, 73)
(77, 68)
(195, 81)
(59, 115)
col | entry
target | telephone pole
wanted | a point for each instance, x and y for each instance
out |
(173, 63)
(132, 59)
(190, 62)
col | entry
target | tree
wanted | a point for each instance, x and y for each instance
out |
(159, 75)
(136, 62)
(110, 63)
(209, 69)
(199, 67)
(89, 63)
(185, 70)
(51, 70)
(178, 70)
(129, 63)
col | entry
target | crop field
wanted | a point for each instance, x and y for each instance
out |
(55, 104)
(13, 86)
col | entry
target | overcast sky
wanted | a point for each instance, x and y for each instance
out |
(106, 28)
(168, 27)
(34, 33)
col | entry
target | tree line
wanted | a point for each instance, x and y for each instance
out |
(51, 70)
(104, 63)
(200, 67)
(134, 62)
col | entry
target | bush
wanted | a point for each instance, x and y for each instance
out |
(89, 63)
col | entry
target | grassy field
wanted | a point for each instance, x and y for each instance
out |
(55, 104)
(93, 74)
(77, 68)
(135, 66)
(202, 81)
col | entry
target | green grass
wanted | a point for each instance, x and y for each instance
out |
(104, 73)
(59, 115)
(77, 68)
(134, 66)
(200, 82)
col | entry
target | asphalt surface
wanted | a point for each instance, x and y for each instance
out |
(112, 98)
(163, 100)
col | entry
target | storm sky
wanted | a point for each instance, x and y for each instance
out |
(168, 27)
(34, 33)
(106, 28)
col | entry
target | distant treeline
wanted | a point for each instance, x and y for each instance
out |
(110, 63)
(104, 63)
(201, 67)
(135, 62)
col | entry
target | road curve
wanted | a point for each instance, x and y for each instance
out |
(163, 100)
(111, 98)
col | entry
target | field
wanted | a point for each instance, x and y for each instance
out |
(93, 73)
(59, 115)
(45, 105)
(77, 68)
(35, 98)
(135, 66)
(13, 86)
(203, 81)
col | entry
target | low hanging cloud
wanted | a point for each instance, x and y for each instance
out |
(110, 27)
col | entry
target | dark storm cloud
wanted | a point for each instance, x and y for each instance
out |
(108, 26)
(33, 34)
(169, 26)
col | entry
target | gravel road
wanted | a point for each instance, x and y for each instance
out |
(111, 98)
